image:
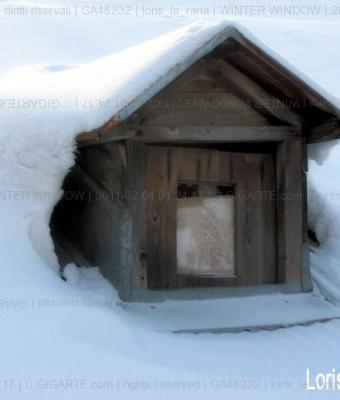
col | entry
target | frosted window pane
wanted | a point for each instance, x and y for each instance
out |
(205, 236)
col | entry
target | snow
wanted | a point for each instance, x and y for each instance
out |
(71, 274)
(75, 339)
(59, 94)
(324, 219)
(233, 314)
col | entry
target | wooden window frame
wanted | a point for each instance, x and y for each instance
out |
(293, 260)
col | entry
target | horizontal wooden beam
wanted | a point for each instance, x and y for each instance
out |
(94, 138)
(203, 134)
(327, 131)
(217, 134)
(254, 94)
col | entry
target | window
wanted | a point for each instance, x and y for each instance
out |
(205, 230)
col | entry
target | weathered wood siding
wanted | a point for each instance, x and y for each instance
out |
(203, 101)
(291, 203)
(93, 219)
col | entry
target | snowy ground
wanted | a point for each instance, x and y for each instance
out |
(75, 340)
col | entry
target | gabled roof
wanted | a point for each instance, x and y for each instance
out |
(319, 113)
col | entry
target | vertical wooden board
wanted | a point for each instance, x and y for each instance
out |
(161, 186)
(188, 160)
(304, 207)
(256, 249)
(306, 277)
(256, 213)
(269, 209)
(263, 250)
(136, 196)
(307, 284)
(203, 165)
(233, 170)
(249, 221)
(107, 165)
(290, 210)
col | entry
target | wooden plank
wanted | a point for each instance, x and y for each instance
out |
(306, 278)
(259, 239)
(258, 69)
(327, 131)
(204, 84)
(197, 109)
(249, 90)
(275, 70)
(212, 134)
(222, 134)
(107, 165)
(290, 209)
(161, 183)
(256, 226)
(86, 137)
(137, 202)
(184, 79)
(117, 133)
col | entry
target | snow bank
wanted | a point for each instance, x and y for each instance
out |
(324, 220)
(44, 108)
(51, 331)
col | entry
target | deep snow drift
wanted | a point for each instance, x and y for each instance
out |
(53, 332)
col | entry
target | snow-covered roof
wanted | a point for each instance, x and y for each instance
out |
(142, 71)
(103, 92)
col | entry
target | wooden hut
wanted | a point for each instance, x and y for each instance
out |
(197, 188)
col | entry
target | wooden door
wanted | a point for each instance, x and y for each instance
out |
(246, 179)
